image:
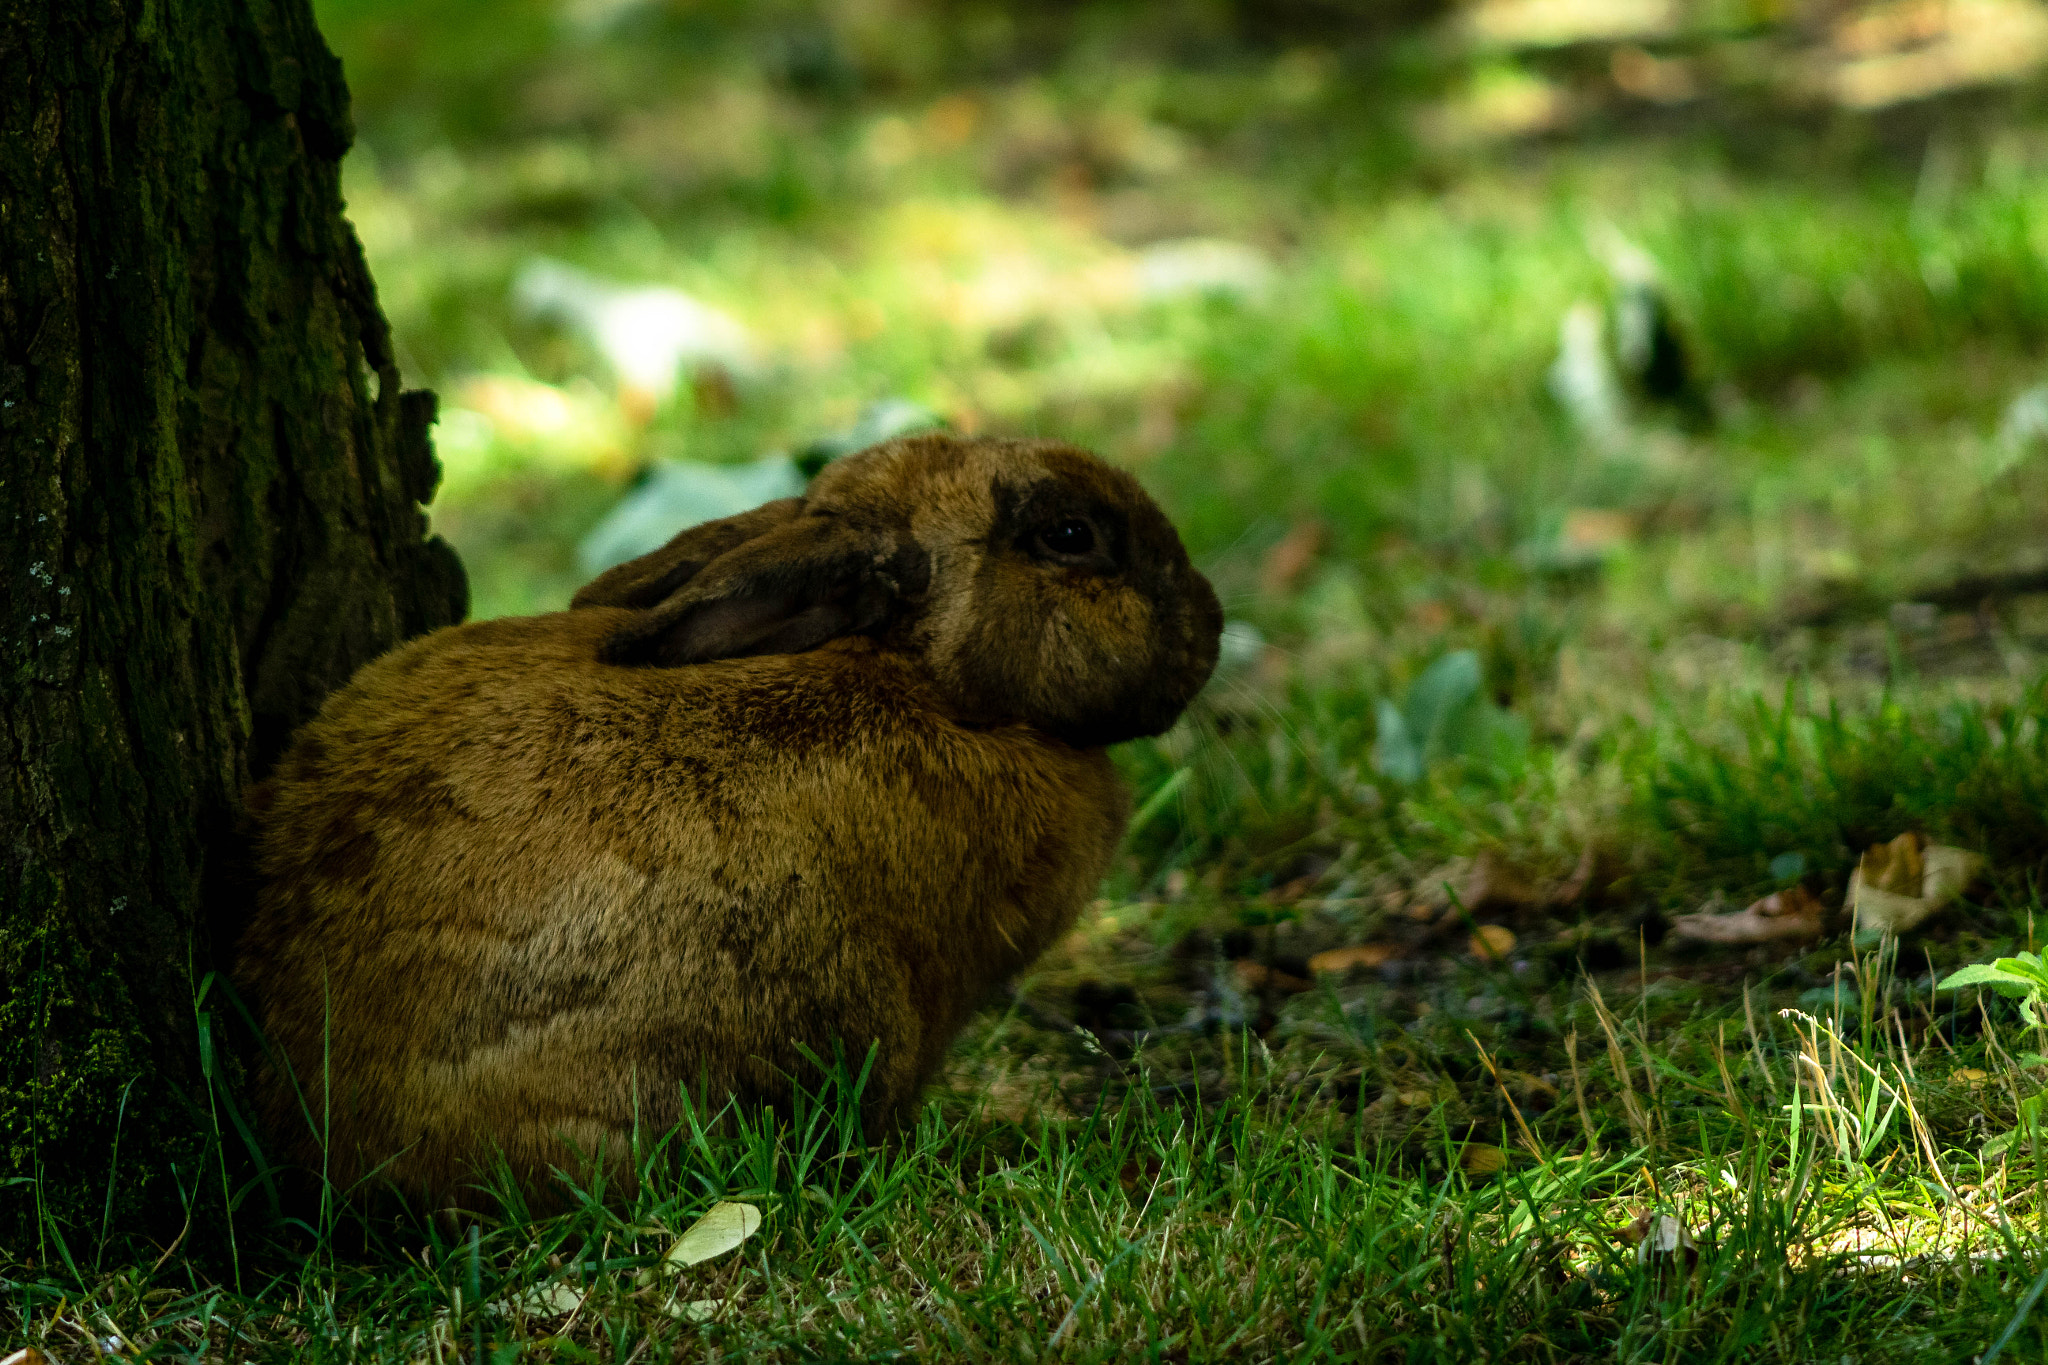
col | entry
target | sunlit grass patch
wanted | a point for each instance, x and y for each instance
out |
(1157, 1226)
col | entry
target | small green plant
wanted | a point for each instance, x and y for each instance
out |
(1443, 715)
(2022, 977)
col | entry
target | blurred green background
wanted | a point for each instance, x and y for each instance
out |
(1653, 351)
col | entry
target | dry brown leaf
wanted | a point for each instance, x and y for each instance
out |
(27, 1355)
(1492, 942)
(1479, 885)
(1366, 955)
(1897, 866)
(1662, 80)
(1257, 976)
(1291, 891)
(1898, 885)
(1548, 23)
(1890, 28)
(1292, 557)
(1789, 914)
(1910, 50)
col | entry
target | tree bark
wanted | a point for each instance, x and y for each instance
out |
(210, 491)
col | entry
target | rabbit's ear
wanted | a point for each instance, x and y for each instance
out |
(810, 580)
(658, 575)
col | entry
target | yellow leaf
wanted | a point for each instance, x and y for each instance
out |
(1257, 976)
(1943, 875)
(717, 1232)
(1896, 867)
(1492, 942)
(1344, 959)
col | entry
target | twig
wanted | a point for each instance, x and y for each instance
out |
(1969, 591)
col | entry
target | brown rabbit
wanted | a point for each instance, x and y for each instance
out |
(819, 774)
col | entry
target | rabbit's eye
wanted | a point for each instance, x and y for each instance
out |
(1070, 537)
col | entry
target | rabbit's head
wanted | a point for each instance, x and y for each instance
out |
(1034, 583)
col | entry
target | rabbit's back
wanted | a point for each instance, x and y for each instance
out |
(516, 896)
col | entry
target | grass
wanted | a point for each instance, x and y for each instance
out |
(1716, 654)
(1257, 1219)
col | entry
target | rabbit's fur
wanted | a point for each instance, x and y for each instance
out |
(821, 774)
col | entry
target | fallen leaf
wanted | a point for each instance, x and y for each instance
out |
(1792, 913)
(1492, 942)
(1659, 80)
(1906, 51)
(1661, 1241)
(1480, 1159)
(1291, 557)
(1897, 866)
(1546, 23)
(1257, 976)
(1943, 875)
(27, 1355)
(1291, 891)
(717, 1232)
(1479, 885)
(545, 1301)
(1345, 959)
(696, 1310)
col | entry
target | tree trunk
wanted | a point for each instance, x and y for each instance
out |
(210, 491)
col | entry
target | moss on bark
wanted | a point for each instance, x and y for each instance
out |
(210, 489)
